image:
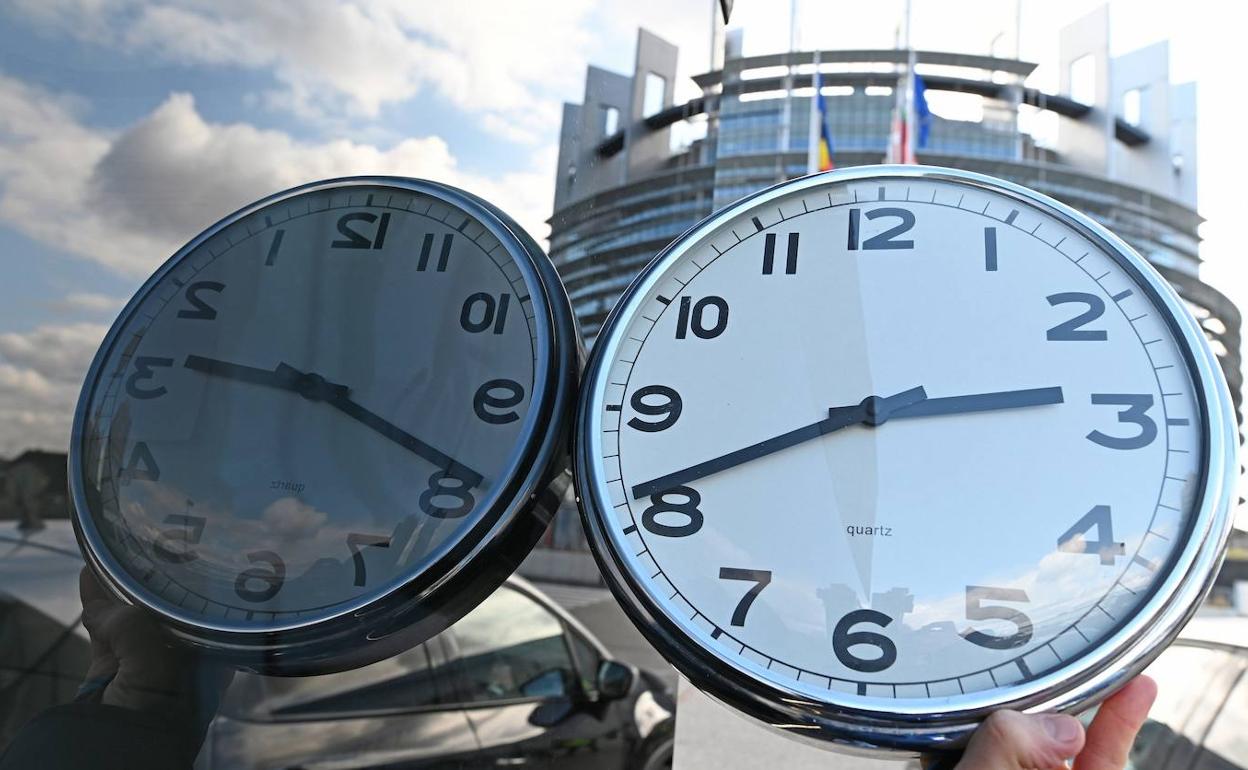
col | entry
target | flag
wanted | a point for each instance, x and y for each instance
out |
(921, 111)
(823, 152)
(900, 144)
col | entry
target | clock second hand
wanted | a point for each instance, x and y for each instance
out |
(872, 410)
(316, 388)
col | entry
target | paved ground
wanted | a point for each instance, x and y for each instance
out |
(598, 610)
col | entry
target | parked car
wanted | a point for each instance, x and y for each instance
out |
(516, 682)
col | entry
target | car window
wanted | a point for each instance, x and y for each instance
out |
(1226, 745)
(1191, 683)
(408, 681)
(587, 661)
(510, 647)
(42, 663)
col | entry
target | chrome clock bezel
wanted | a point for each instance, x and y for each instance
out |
(886, 725)
(375, 626)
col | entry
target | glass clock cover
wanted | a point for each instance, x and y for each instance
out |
(328, 416)
(872, 452)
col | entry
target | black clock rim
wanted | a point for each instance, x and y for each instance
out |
(869, 730)
(482, 558)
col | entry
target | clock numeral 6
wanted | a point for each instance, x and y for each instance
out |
(843, 640)
(356, 543)
(486, 404)
(688, 508)
(886, 239)
(492, 312)
(977, 611)
(443, 488)
(668, 412)
(1137, 404)
(761, 579)
(1075, 540)
(353, 239)
(271, 577)
(200, 310)
(693, 317)
(1072, 331)
(144, 369)
(173, 545)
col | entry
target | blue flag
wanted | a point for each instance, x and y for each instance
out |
(923, 115)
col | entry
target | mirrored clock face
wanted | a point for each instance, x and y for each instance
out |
(311, 405)
(900, 440)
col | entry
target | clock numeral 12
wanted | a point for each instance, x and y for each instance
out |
(354, 239)
(886, 239)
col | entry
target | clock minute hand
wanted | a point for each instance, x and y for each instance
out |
(872, 410)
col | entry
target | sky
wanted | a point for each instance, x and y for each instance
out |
(127, 127)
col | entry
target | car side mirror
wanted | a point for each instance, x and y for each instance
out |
(615, 679)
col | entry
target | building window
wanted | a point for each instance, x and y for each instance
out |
(1133, 107)
(1083, 79)
(610, 120)
(652, 97)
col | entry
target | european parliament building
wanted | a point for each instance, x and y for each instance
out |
(1125, 152)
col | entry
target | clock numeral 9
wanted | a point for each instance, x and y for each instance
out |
(144, 369)
(484, 401)
(692, 317)
(493, 312)
(688, 508)
(843, 639)
(1072, 331)
(761, 579)
(977, 611)
(444, 486)
(1137, 404)
(173, 545)
(355, 240)
(886, 239)
(200, 310)
(668, 412)
(1074, 540)
(271, 577)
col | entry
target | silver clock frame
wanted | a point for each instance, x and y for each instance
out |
(408, 610)
(887, 726)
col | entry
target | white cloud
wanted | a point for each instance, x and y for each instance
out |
(505, 60)
(81, 303)
(41, 372)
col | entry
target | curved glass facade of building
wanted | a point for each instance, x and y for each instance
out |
(624, 194)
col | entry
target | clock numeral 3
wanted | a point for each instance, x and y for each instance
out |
(886, 239)
(1071, 331)
(761, 579)
(173, 545)
(843, 639)
(355, 240)
(977, 611)
(687, 508)
(1074, 540)
(1137, 404)
(144, 369)
(692, 317)
(200, 310)
(443, 487)
(493, 312)
(484, 401)
(356, 543)
(668, 412)
(271, 577)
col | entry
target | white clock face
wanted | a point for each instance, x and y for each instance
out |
(311, 405)
(904, 439)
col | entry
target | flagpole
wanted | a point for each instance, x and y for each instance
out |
(908, 154)
(812, 147)
(786, 120)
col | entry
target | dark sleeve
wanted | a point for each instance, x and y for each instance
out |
(92, 736)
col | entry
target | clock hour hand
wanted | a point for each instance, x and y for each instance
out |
(981, 402)
(872, 410)
(314, 387)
